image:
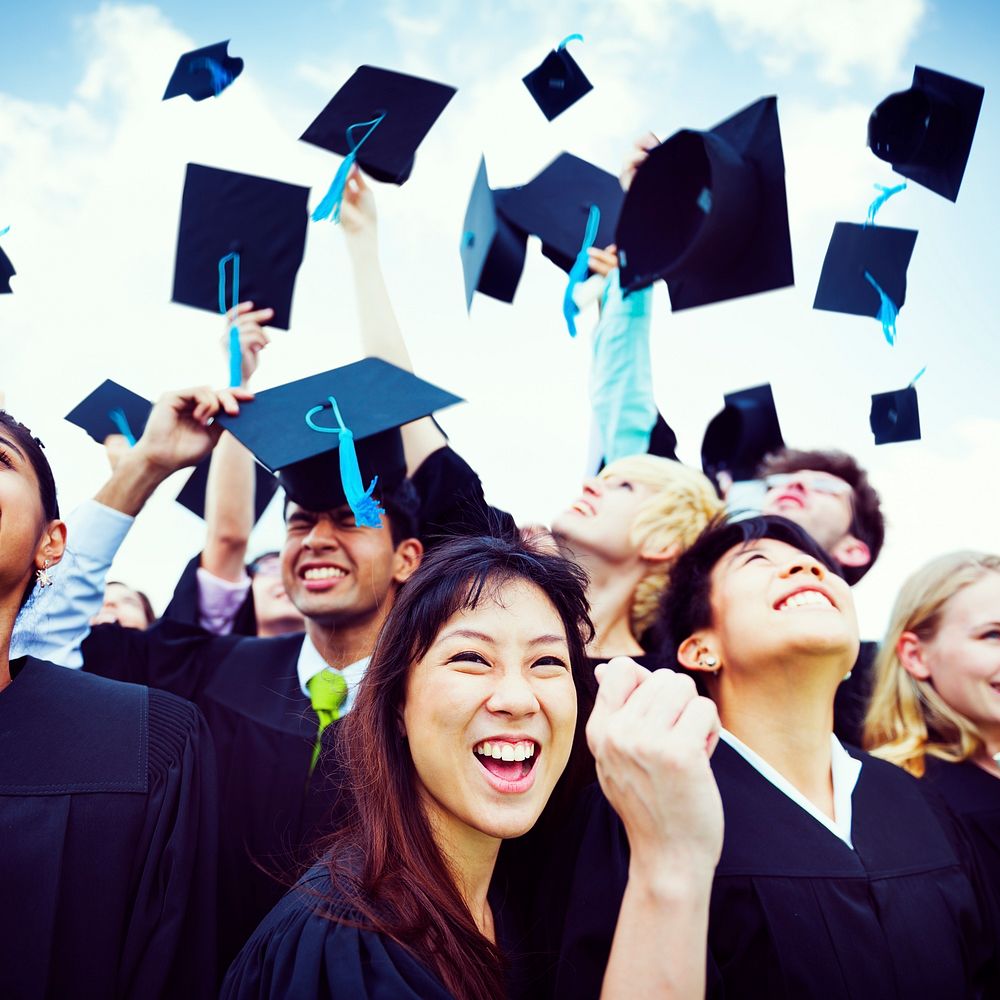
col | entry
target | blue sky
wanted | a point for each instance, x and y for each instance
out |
(91, 164)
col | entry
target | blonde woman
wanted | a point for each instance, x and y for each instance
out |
(935, 708)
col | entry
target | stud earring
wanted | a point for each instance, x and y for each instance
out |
(44, 580)
(711, 662)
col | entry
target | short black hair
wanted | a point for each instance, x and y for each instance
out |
(867, 522)
(402, 511)
(686, 605)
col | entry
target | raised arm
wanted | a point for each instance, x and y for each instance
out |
(652, 738)
(381, 335)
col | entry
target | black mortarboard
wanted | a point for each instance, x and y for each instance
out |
(706, 211)
(737, 438)
(192, 494)
(6, 273)
(262, 220)
(293, 429)
(895, 416)
(111, 409)
(926, 132)
(559, 82)
(881, 252)
(492, 250)
(204, 73)
(408, 106)
(555, 205)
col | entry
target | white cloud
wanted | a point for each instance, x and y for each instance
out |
(841, 36)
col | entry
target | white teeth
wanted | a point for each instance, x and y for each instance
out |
(806, 597)
(521, 750)
(323, 573)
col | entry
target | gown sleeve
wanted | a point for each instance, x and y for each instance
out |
(299, 951)
(452, 502)
(169, 947)
(189, 605)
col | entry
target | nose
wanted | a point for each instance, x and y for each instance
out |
(513, 695)
(592, 487)
(321, 535)
(806, 565)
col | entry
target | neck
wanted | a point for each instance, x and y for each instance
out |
(787, 720)
(8, 614)
(342, 644)
(281, 626)
(987, 757)
(609, 593)
(471, 856)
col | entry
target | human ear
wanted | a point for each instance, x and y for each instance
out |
(51, 546)
(406, 559)
(910, 651)
(851, 551)
(697, 652)
(666, 553)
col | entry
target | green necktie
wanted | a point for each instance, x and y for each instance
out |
(327, 692)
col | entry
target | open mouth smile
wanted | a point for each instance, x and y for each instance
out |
(508, 765)
(805, 599)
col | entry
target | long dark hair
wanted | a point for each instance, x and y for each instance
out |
(31, 447)
(385, 863)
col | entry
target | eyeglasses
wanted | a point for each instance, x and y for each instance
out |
(815, 484)
(265, 567)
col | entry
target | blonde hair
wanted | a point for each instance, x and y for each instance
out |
(907, 718)
(684, 502)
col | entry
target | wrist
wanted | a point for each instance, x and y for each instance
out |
(133, 482)
(671, 877)
(362, 247)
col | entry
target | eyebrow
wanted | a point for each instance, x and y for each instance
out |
(14, 447)
(465, 633)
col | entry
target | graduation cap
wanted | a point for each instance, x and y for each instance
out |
(706, 211)
(559, 82)
(492, 250)
(555, 206)
(864, 272)
(113, 409)
(192, 494)
(377, 119)
(333, 437)
(926, 132)
(895, 416)
(737, 438)
(241, 237)
(6, 273)
(204, 73)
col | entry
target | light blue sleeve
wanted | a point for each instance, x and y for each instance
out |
(56, 620)
(621, 378)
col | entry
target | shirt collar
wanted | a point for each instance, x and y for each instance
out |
(845, 771)
(310, 663)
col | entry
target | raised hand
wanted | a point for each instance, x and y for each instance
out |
(253, 337)
(603, 262)
(358, 218)
(652, 736)
(636, 157)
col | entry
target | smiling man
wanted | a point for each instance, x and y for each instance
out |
(837, 877)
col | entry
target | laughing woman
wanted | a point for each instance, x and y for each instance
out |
(107, 837)
(935, 709)
(463, 728)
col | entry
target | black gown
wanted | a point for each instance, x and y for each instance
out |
(795, 913)
(264, 730)
(107, 840)
(973, 796)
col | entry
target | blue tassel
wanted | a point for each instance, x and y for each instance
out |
(4, 231)
(118, 418)
(913, 381)
(366, 510)
(887, 311)
(886, 194)
(221, 77)
(568, 39)
(330, 205)
(580, 269)
(235, 357)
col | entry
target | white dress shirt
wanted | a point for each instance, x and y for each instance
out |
(311, 663)
(845, 769)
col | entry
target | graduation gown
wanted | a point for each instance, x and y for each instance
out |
(264, 729)
(795, 913)
(973, 795)
(299, 952)
(184, 603)
(107, 840)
